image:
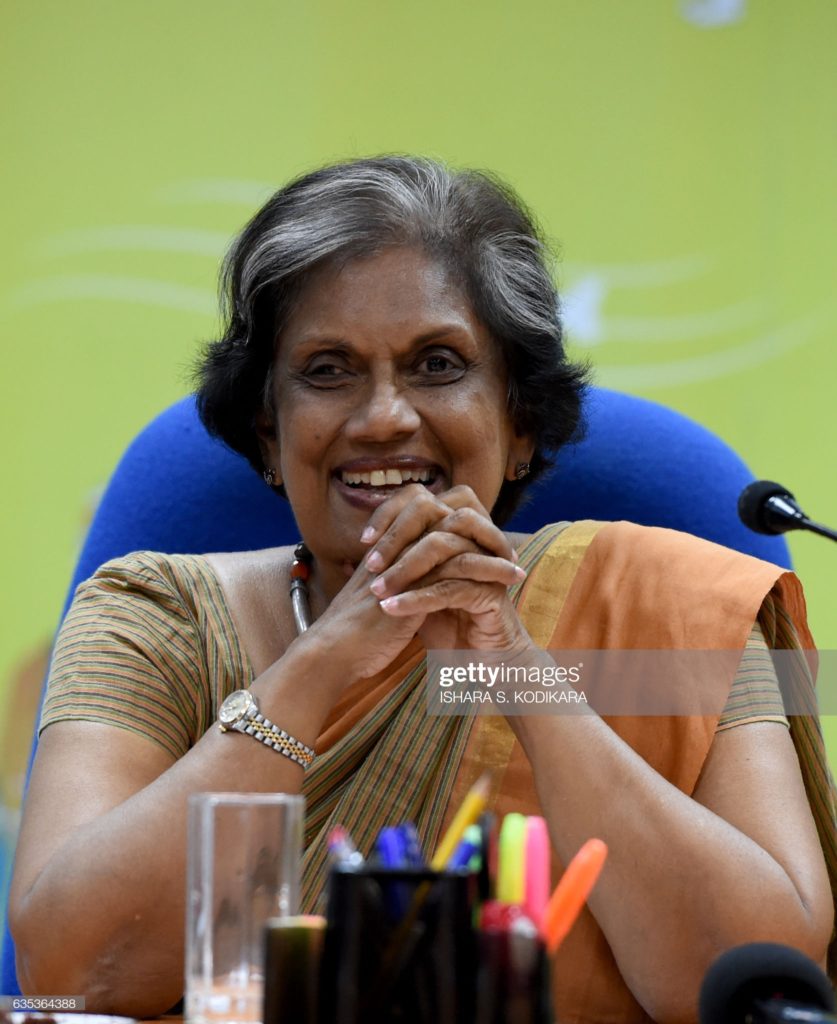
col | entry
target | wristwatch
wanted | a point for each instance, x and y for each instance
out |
(240, 713)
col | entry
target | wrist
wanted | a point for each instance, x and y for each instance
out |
(299, 690)
(309, 666)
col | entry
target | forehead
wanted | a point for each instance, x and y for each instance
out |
(399, 291)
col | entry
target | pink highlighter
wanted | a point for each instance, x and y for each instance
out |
(537, 877)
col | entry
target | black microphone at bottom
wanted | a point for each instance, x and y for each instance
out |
(765, 983)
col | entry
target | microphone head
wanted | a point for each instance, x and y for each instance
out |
(760, 971)
(755, 512)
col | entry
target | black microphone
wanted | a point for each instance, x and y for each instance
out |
(767, 507)
(765, 983)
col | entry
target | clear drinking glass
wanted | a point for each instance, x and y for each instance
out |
(244, 852)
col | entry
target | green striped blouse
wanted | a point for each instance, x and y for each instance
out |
(149, 645)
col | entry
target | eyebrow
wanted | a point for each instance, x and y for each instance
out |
(425, 338)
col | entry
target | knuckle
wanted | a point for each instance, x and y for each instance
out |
(462, 516)
(463, 491)
(453, 544)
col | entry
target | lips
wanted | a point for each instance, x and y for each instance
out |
(371, 480)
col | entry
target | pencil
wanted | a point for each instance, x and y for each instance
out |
(472, 807)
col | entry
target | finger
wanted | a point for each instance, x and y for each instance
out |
(400, 522)
(458, 531)
(470, 523)
(446, 595)
(387, 512)
(445, 555)
(383, 516)
(462, 496)
(428, 513)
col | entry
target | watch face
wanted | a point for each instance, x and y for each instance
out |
(234, 707)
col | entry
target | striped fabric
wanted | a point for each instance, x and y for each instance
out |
(149, 645)
(423, 752)
(780, 632)
(754, 695)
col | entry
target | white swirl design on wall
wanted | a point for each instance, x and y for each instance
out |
(589, 294)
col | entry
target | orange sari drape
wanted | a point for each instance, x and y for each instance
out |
(590, 586)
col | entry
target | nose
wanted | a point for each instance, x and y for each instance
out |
(384, 412)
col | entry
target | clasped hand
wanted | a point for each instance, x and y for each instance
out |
(437, 566)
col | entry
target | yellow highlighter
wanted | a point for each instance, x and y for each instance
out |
(511, 860)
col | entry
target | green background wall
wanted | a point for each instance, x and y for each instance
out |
(680, 153)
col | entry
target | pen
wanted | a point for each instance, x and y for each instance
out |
(412, 847)
(469, 850)
(391, 847)
(342, 850)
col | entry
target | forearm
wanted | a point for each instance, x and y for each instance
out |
(686, 881)
(112, 892)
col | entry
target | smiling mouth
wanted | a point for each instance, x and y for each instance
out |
(377, 478)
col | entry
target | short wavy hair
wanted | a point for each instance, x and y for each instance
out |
(469, 221)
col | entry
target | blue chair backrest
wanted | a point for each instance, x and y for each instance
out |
(179, 491)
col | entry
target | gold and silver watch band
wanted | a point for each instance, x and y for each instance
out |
(240, 712)
(272, 736)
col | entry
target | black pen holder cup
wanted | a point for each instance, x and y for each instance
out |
(513, 980)
(400, 946)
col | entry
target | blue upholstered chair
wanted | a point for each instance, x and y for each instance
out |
(177, 490)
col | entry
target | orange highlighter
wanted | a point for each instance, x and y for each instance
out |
(571, 892)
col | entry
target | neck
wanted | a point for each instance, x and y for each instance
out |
(324, 584)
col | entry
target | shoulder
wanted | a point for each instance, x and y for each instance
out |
(248, 579)
(158, 570)
(146, 572)
(649, 546)
(656, 548)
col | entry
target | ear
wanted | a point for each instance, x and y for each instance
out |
(521, 452)
(269, 444)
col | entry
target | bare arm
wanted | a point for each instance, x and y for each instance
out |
(99, 878)
(741, 862)
(97, 903)
(687, 877)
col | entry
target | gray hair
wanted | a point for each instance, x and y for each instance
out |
(469, 221)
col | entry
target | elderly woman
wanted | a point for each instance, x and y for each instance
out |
(393, 364)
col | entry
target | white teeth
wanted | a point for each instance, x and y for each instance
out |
(387, 477)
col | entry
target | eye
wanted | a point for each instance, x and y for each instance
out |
(326, 371)
(438, 364)
(444, 366)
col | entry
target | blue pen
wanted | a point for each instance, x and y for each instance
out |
(391, 848)
(412, 846)
(469, 846)
(392, 851)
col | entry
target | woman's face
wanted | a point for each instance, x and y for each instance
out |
(383, 376)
